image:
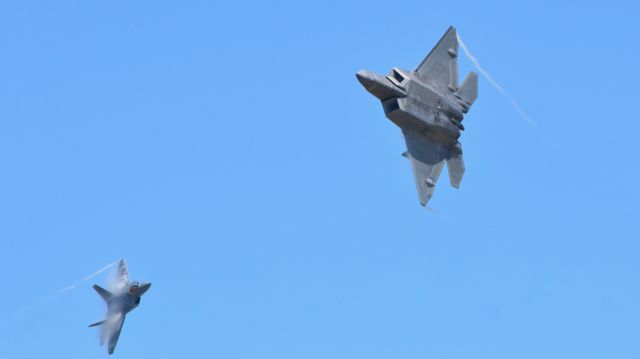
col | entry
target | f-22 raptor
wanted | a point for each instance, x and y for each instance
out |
(124, 298)
(428, 105)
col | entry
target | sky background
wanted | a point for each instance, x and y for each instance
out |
(227, 151)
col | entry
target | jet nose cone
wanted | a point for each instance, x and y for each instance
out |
(144, 287)
(378, 86)
(365, 78)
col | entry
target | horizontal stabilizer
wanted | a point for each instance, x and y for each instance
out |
(97, 323)
(468, 91)
(105, 294)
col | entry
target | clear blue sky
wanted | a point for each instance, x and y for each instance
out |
(226, 150)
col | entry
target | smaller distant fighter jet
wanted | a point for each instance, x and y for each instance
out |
(124, 298)
(428, 106)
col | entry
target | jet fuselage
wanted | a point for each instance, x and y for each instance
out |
(123, 303)
(414, 104)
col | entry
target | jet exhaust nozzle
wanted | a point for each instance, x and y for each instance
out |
(379, 86)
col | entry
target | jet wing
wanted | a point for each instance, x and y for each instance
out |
(440, 67)
(115, 326)
(427, 159)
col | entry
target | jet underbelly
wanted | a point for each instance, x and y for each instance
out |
(408, 113)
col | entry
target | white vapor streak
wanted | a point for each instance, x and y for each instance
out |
(493, 83)
(68, 288)
(96, 273)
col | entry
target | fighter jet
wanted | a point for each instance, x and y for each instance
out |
(428, 106)
(124, 298)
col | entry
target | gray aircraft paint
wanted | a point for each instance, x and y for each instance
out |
(428, 106)
(123, 298)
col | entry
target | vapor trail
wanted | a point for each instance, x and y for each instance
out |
(68, 288)
(96, 273)
(493, 83)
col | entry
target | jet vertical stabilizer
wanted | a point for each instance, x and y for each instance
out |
(455, 166)
(468, 91)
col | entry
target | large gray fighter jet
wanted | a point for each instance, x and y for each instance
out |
(428, 105)
(124, 298)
